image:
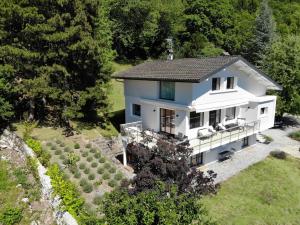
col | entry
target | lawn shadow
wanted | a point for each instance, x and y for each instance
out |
(117, 118)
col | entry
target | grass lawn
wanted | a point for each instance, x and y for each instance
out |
(265, 193)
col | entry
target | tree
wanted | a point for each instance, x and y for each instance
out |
(60, 52)
(282, 63)
(161, 205)
(263, 34)
(167, 161)
(6, 108)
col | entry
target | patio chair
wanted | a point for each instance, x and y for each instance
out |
(206, 132)
(221, 127)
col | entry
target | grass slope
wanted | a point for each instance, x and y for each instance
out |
(265, 193)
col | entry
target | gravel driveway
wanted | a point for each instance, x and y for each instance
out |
(256, 153)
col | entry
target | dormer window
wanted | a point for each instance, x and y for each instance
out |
(167, 90)
(230, 83)
(215, 84)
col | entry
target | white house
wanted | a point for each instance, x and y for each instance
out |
(219, 103)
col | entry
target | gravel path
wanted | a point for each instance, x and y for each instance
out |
(255, 153)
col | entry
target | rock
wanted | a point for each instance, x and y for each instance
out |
(19, 186)
(25, 200)
(34, 223)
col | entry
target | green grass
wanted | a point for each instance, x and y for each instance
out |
(265, 193)
(295, 135)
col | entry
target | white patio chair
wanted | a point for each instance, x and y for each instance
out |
(204, 133)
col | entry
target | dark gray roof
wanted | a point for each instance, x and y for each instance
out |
(185, 70)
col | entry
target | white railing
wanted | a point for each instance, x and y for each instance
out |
(134, 132)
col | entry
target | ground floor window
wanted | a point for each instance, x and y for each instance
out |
(136, 110)
(245, 141)
(197, 159)
(263, 110)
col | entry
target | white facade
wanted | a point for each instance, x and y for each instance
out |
(248, 96)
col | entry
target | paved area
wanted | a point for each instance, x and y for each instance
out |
(255, 153)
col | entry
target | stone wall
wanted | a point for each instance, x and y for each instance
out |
(12, 141)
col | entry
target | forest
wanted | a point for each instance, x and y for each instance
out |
(56, 56)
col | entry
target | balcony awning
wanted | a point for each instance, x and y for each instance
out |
(220, 105)
(165, 104)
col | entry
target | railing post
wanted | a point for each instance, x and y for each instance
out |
(221, 140)
(210, 142)
(230, 135)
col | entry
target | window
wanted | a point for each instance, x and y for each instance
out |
(245, 141)
(215, 84)
(263, 110)
(230, 113)
(196, 159)
(196, 119)
(230, 82)
(167, 90)
(136, 109)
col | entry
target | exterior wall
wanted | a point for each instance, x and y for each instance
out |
(213, 155)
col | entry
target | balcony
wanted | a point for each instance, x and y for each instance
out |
(133, 132)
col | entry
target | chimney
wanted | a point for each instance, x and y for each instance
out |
(170, 49)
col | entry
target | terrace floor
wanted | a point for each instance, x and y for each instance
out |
(255, 153)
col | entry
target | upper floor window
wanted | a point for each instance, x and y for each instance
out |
(263, 110)
(230, 113)
(136, 110)
(167, 90)
(230, 83)
(196, 119)
(215, 83)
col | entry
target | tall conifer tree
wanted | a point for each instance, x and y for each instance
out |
(60, 52)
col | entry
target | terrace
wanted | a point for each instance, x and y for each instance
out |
(133, 132)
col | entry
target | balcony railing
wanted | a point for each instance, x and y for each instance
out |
(134, 132)
(225, 136)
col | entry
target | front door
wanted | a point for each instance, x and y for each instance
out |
(214, 117)
(167, 121)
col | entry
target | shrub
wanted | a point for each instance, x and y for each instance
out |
(62, 145)
(35, 145)
(11, 216)
(86, 171)
(62, 157)
(58, 141)
(77, 174)
(57, 152)
(118, 176)
(65, 162)
(49, 144)
(84, 154)
(88, 188)
(278, 154)
(94, 164)
(83, 182)
(268, 139)
(112, 170)
(112, 183)
(44, 158)
(102, 160)
(91, 176)
(73, 169)
(76, 146)
(82, 166)
(98, 183)
(53, 147)
(93, 150)
(89, 159)
(66, 190)
(72, 158)
(106, 176)
(107, 165)
(33, 166)
(88, 145)
(97, 155)
(67, 149)
(100, 170)
(295, 135)
(97, 200)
